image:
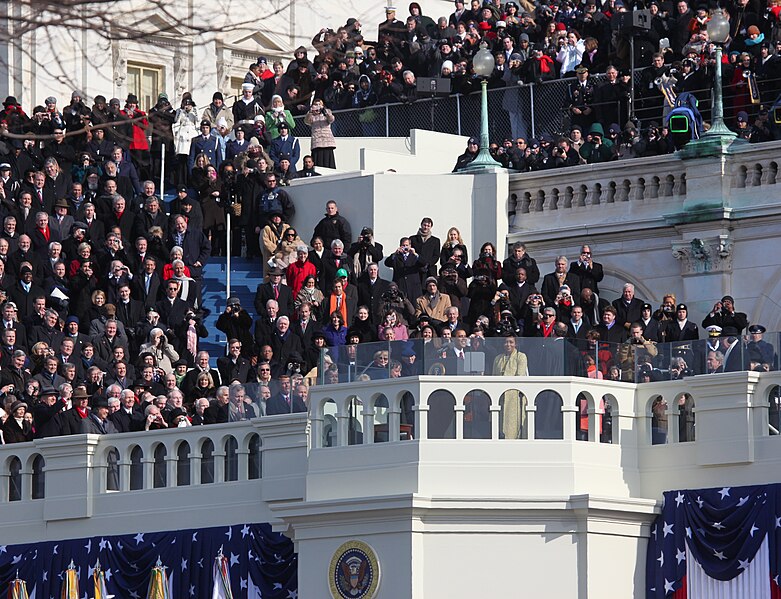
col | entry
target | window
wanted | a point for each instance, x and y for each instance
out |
(144, 81)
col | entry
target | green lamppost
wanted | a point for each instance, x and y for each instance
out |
(718, 33)
(483, 63)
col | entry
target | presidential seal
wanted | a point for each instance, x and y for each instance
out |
(354, 571)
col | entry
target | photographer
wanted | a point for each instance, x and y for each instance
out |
(319, 118)
(365, 251)
(506, 325)
(597, 149)
(564, 154)
(654, 142)
(632, 349)
(164, 353)
(724, 315)
(236, 323)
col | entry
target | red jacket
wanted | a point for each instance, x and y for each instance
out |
(140, 141)
(296, 273)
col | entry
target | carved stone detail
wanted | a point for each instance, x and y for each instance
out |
(710, 255)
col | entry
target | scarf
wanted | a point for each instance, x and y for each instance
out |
(341, 309)
(433, 300)
(192, 340)
(423, 236)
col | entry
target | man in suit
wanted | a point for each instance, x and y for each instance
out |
(519, 291)
(97, 422)
(24, 292)
(219, 408)
(23, 253)
(201, 365)
(284, 341)
(285, 401)
(370, 291)
(47, 331)
(105, 343)
(129, 416)
(305, 326)
(577, 327)
(196, 248)
(629, 309)
(147, 286)
(589, 273)
(129, 311)
(553, 281)
(171, 308)
(266, 324)
(69, 421)
(234, 367)
(275, 290)
(61, 222)
(610, 330)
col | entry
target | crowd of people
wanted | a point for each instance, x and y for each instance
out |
(101, 283)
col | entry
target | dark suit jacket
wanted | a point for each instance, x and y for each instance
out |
(277, 405)
(550, 287)
(518, 296)
(24, 300)
(91, 425)
(138, 289)
(265, 292)
(195, 248)
(631, 313)
(39, 244)
(172, 314)
(131, 314)
(690, 331)
(371, 295)
(125, 423)
(588, 277)
(616, 333)
(241, 371)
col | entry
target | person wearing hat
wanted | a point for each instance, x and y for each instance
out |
(69, 421)
(60, 224)
(581, 98)
(724, 315)
(761, 355)
(45, 411)
(205, 144)
(432, 303)
(139, 144)
(472, 149)
(391, 29)
(218, 110)
(681, 328)
(16, 429)
(285, 144)
(97, 422)
(246, 108)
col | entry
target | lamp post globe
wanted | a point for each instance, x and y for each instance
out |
(718, 32)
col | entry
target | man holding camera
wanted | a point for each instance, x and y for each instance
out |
(366, 250)
(236, 323)
(631, 349)
(724, 315)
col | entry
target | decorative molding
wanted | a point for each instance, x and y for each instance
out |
(709, 255)
(119, 59)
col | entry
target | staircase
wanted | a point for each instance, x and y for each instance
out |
(245, 278)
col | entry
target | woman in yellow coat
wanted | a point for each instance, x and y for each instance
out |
(512, 363)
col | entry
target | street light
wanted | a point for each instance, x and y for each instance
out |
(483, 63)
(718, 33)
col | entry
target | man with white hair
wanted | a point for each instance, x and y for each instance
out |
(284, 341)
(629, 309)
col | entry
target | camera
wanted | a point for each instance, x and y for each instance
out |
(390, 295)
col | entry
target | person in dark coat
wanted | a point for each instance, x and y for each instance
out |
(725, 316)
(97, 421)
(407, 268)
(589, 273)
(16, 429)
(427, 247)
(45, 412)
(234, 367)
(69, 421)
(333, 226)
(285, 401)
(629, 309)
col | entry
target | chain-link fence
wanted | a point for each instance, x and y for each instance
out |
(522, 111)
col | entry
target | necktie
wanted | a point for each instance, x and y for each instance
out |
(287, 399)
(40, 196)
(146, 283)
(276, 292)
(461, 355)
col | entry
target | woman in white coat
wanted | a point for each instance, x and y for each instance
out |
(185, 128)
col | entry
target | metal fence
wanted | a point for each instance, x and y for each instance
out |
(534, 109)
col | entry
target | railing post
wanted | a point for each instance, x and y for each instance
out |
(459, 410)
(387, 121)
(458, 112)
(531, 106)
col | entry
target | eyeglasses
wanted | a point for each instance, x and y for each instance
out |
(547, 315)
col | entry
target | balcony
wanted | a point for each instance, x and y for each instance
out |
(51, 488)
(637, 192)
